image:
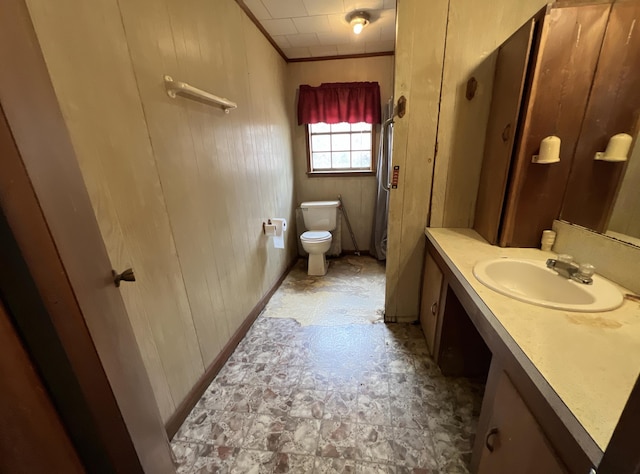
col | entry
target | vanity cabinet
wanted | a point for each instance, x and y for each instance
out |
(430, 301)
(453, 341)
(524, 426)
(545, 76)
(513, 441)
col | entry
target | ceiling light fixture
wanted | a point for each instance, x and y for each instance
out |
(358, 20)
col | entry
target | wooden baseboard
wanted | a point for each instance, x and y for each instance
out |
(182, 411)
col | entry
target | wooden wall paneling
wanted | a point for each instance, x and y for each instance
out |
(109, 134)
(30, 423)
(569, 48)
(614, 107)
(509, 84)
(271, 126)
(207, 159)
(474, 32)
(204, 120)
(184, 178)
(55, 226)
(358, 193)
(418, 24)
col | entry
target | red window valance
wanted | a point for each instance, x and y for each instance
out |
(337, 102)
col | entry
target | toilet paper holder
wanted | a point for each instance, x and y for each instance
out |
(269, 228)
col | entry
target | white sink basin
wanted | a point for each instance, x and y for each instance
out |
(532, 282)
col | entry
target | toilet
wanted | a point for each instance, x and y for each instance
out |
(319, 218)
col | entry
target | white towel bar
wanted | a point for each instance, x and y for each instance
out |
(176, 87)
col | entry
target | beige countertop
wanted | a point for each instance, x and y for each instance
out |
(591, 360)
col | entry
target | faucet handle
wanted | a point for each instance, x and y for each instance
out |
(586, 270)
(564, 258)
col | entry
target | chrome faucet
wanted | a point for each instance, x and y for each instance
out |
(566, 267)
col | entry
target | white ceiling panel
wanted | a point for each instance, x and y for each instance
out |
(317, 28)
(351, 5)
(328, 39)
(258, 9)
(323, 51)
(285, 8)
(302, 40)
(282, 41)
(351, 48)
(315, 24)
(323, 7)
(295, 53)
(378, 46)
(283, 26)
(339, 22)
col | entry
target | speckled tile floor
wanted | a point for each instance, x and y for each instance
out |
(327, 387)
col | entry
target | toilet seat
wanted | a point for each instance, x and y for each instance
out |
(316, 236)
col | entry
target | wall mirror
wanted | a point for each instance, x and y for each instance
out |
(604, 195)
(623, 213)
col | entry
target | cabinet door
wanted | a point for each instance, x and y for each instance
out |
(429, 305)
(508, 88)
(565, 63)
(514, 442)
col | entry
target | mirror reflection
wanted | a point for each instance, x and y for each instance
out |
(603, 189)
(625, 218)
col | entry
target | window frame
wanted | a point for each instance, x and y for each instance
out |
(343, 172)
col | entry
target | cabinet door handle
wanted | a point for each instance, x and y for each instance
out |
(488, 439)
(434, 308)
(506, 133)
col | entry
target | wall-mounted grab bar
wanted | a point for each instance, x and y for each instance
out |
(176, 87)
(386, 166)
(398, 111)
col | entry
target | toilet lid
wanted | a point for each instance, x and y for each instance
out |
(316, 235)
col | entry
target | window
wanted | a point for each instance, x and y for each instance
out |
(340, 148)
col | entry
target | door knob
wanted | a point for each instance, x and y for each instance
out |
(126, 275)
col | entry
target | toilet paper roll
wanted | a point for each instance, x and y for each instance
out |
(280, 224)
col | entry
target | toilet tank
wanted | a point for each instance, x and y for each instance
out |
(319, 215)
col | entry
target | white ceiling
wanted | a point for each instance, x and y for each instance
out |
(318, 28)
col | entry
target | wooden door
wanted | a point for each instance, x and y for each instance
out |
(32, 437)
(614, 107)
(60, 272)
(563, 72)
(514, 441)
(429, 304)
(509, 84)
